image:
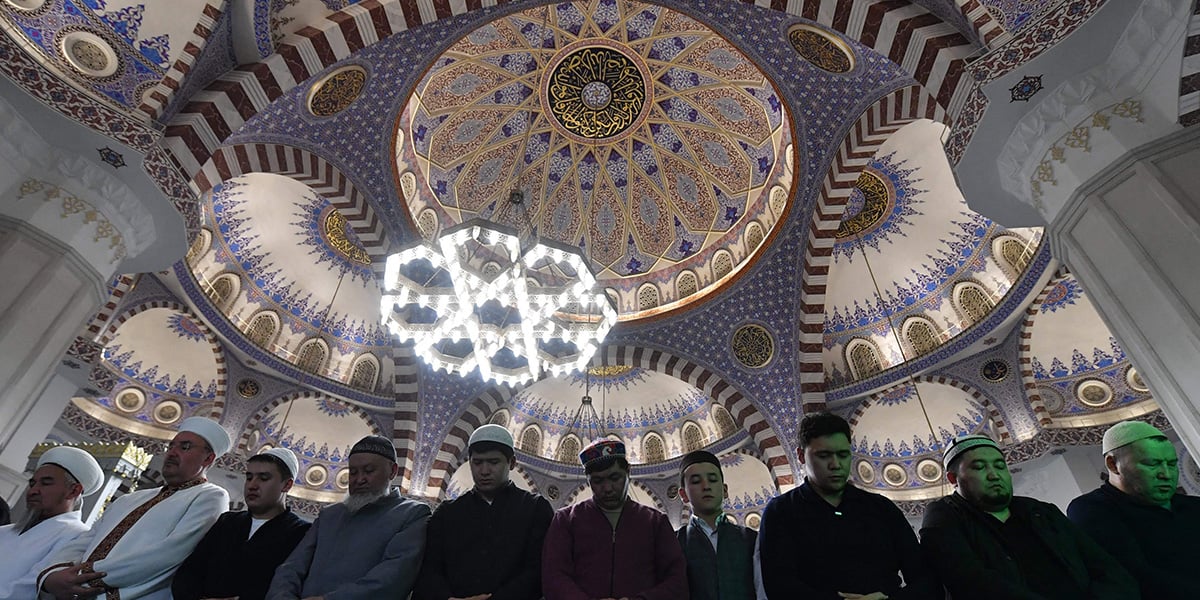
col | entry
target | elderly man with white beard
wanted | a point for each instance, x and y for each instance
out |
(368, 546)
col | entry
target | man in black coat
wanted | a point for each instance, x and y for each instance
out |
(719, 553)
(1138, 516)
(987, 544)
(238, 556)
(486, 543)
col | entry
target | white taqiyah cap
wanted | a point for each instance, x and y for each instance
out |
(491, 433)
(79, 464)
(1128, 432)
(287, 457)
(211, 431)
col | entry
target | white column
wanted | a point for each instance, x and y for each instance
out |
(1131, 235)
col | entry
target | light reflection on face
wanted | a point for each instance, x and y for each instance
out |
(1147, 470)
(983, 478)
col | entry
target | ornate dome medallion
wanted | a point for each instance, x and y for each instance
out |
(821, 49)
(597, 91)
(337, 91)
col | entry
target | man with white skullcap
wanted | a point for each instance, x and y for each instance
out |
(238, 557)
(1137, 515)
(365, 547)
(143, 537)
(488, 541)
(987, 544)
(64, 475)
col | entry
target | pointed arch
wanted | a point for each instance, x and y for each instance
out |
(754, 237)
(686, 284)
(653, 448)
(921, 335)
(531, 440)
(693, 437)
(313, 356)
(500, 417)
(263, 328)
(568, 449)
(200, 246)
(648, 297)
(725, 425)
(1013, 254)
(364, 373)
(223, 289)
(863, 358)
(722, 264)
(972, 302)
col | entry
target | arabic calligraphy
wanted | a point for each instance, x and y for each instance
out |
(596, 93)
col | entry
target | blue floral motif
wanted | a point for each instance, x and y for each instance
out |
(1063, 294)
(902, 205)
(122, 363)
(185, 328)
(332, 407)
(897, 395)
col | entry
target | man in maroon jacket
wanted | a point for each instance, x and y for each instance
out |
(609, 547)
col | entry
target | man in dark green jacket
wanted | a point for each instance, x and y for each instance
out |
(987, 544)
(719, 553)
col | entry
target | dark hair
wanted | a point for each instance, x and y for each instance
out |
(603, 464)
(820, 425)
(490, 446)
(279, 465)
(696, 457)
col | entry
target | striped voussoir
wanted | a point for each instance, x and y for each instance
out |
(404, 426)
(1189, 82)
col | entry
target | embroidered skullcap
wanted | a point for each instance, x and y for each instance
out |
(1128, 432)
(375, 444)
(211, 431)
(78, 463)
(699, 456)
(491, 433)
(601, 449)
(964, 444)
(285, 458)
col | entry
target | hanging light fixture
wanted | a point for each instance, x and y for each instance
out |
(481, 297)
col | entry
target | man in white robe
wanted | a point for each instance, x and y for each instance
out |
(63, 476)
(134, 549)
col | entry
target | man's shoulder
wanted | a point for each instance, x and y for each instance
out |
(1095, 500)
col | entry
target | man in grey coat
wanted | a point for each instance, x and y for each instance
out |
(369, 546)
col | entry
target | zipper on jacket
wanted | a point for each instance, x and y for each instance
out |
(612, 561)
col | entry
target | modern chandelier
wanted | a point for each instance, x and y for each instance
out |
(481, 297)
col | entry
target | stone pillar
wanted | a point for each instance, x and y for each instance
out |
(65, 227)
(1131, 234)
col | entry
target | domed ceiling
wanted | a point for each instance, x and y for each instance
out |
(295, 256)
(320, 430)
(633, 404)
(899, 435)
(1082, 376)
(906, 244)
(164, 366)
(629, 130)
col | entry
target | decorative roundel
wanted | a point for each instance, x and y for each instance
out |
(1094, 393)
(1134, 380)
(929, 470)
(597, 91)
(822, 49)
(1052, 400)
(869, 203)
(673, 492)
(753, 346)
(866, 472)
(167, 412)
(316, 476)
(130, 400)
(895, 475)
(342, 480)
(552, 492)
(995, 370)
(248, 388)
(254, 439)
(753, 520)
(89, 53)
(336, 91)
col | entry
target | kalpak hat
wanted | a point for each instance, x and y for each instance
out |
(601, 449)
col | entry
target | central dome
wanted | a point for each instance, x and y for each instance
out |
(628, 130)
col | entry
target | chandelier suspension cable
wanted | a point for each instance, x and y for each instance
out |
(896, 336)
(304, 375)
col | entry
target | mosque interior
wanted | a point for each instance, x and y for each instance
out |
(793, 206)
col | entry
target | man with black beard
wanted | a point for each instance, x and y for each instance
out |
(366, 547)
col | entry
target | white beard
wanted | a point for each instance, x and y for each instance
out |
(30, 519)
(356, 502)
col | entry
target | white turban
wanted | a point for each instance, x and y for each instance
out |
(79, 464)
(211, 431)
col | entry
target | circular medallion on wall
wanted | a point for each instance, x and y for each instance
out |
(89, 54)
(1094, 393)
(929, 470)
(248, 388)
(167, 412)
(552, 492)
(673, 492)
(336, 91)
(895, 475)
(316, 476)
(995, 370)
(342, 480)
(866, 472)
(130, 400)
(1134, 380)
(753, 520)
(597, 90)
(254, 439)
(753, 346)
(822, 49)
(1052, 400)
